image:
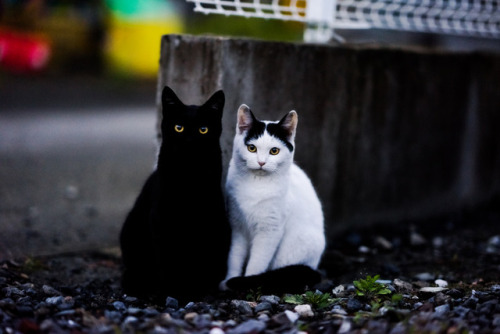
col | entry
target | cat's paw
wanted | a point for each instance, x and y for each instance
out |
(223, 286)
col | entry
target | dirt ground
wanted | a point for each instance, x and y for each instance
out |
(81, 292)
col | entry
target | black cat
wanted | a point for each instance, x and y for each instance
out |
(176, 238)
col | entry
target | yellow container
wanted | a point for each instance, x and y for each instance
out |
(134, 36)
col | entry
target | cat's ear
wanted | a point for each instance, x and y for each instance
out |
(168, 98)
(245, 118)
(289, 124)
(216, 102)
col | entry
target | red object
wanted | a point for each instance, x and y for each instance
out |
(22, 52)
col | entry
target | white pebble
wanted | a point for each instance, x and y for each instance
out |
(441, 283)
(304, 310)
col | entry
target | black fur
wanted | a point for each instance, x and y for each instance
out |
(176, 238)
(274, 129)
(290, 279)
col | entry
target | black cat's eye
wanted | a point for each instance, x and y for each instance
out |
(252, 148)
(203, 130)
(179, 128)
(274, 151)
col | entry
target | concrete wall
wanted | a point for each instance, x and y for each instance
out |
(385, 134)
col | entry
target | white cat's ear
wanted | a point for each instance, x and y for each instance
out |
(289, 124)
(216, 101)
(245, 118)
(168, 97)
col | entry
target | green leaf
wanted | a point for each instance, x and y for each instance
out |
(293, 299)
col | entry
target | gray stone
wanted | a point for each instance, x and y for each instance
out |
(242, 306)
(354, 305)
(172, 303)
(273, 300)
(249, 326)
(263, 306)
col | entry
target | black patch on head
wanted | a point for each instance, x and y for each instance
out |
(276, 130)
(256, 130)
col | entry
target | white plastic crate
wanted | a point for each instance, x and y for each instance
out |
(459, 17)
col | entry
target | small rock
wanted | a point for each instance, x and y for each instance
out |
(437, 242)
(353, 305)
(432, 289)
(55, 300)
(50, 291)
(119, 306)
(271, 299)
(363, 249)
(402, 286)
(471, 302)
(338, 290)
(441, 283)
(304, 310)
(455, 293)
(442, 309)
(337, 309)
(345, 327)
(416, 239)
(249, 326)
(383, 243)
(263, 306)
(242, 306)
(292, 316)
(171, 302)
(493, 245)
(216, 330)
(190, 316)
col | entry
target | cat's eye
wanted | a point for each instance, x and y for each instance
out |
(252, 148)
(274, 151)
(179, 128)
(203, 130)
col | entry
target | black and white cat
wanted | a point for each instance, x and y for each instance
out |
(274, 211)
(176, 238)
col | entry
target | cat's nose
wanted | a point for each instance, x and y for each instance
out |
(261, 163)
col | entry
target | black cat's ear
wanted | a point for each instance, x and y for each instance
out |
(245, 118)
(289, 124)
(168, 98)
(216, 101)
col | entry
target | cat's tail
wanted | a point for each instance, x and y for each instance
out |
(289, 279)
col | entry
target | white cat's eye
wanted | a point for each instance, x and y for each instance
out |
(179, 128)
(203, 130)
(252, 148)
(274, 151)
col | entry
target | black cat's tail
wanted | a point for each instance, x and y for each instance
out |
(289, 279)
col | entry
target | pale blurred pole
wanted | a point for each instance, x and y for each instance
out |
(320, 18)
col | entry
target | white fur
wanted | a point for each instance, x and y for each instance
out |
(275, 214)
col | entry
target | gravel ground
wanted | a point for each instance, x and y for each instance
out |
(443, 276)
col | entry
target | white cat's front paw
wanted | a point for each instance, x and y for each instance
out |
(223, 286)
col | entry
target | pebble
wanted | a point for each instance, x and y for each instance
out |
(242, 306)
(354, 305)
(441, 283)
(338, 290)
(249, 326)
(271, 299)
(171, 302)
(263, 306)
(304, 311)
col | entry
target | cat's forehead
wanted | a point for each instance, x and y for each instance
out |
(267, 132)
